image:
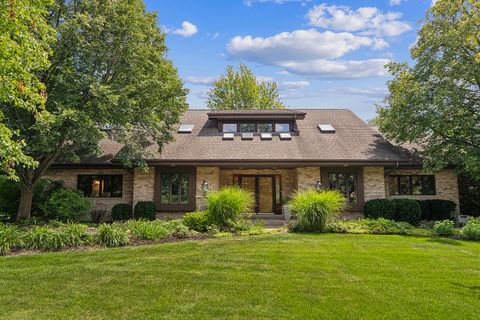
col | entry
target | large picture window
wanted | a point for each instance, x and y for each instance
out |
(174, 188)
(101, 186)
(346, 183)
(412, 185)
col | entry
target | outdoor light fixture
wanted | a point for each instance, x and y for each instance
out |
(204, 188)
(318, 185)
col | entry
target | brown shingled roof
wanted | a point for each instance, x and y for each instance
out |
(353, 141)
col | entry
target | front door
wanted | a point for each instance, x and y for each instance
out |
(266, 190)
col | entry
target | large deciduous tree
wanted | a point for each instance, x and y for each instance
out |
(241, 90)
(25, 38)
(436, 102)
(108, 68)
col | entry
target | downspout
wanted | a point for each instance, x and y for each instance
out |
(397, 164)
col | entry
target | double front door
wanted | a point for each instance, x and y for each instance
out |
(266, 190)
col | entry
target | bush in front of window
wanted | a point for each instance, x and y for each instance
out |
(145, 210)
(379, 208)
(313, 209)
(229, 205)
(437, 209)
(197, 220)
(66, 205)
(122, 212)
(407, 210)
(444, 228)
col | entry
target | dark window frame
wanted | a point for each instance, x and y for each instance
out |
(190, 206)
(180, 190)
(291, 125)
(410, 177)
(90, 177)
(351, 207)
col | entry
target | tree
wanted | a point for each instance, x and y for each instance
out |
(241, 90)
(25, 38)
(436, 102)
(108, 69)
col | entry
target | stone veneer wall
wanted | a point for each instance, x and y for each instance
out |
(446, 185)
(373, 183)
(70, 177)
(306, 177)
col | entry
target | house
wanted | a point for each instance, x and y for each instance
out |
(271, 153)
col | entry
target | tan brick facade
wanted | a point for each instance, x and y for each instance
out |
(306, 177)
(209, 174)
(446, 185)
(373, 183)
(144, 185)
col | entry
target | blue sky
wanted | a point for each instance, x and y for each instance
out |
(322, 54)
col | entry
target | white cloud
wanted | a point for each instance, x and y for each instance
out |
(249, 3)
(368, 20)
(374, 93)
(290, 85)
(395, 2)
(200, 80)
(188, 29)
(298, 45)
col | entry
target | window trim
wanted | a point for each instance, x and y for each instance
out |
(101, 177)
(190, 206)
(410, 185)
(351, 207)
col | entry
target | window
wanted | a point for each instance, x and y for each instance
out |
(229, 127)
(174, 188)
(101, 186)
(412, 185)
(265, 127)
(247, 127)
(282, 127)
(346, 183)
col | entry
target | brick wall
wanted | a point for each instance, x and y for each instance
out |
(446, 185)
(144, 185)
(373, 183)
(306, 177)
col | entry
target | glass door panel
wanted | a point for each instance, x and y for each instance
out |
(265, 194)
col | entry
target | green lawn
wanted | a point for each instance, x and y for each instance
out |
(280, 276)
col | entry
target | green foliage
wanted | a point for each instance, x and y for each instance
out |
(369, 226)
(471, 230)
(379, 208)
(469, 189)
(41, 193)
(145, 210)
(25, 38)
(407, 210)
(241, 90)
(66, 205)
(444, 228)
(313, 209)
(122, 212)
(111, 235)
(44, 238)
(437, 209)
(158, 229)
(75, 234)
(435, 102)
(229, 205)
(9, 238)
(197, 220)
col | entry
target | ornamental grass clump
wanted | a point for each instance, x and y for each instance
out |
(228, 206)
(44, 238)
(75, 234)
(9, 238)
(111, 235)
(313, 209)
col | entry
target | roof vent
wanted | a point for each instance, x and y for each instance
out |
(285, 136)
(326, 128)
(247, 136)
(185, 128)
(266, 136)
(228, 136)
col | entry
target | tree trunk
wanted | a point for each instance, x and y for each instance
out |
(25, 205)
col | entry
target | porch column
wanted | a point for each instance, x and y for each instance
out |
(210, 175)
(307, 177)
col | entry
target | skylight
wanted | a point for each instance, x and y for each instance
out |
(228, 136)
(285, 136)
(185, 128)
(266, 136)
(326, 128)
(247, 136)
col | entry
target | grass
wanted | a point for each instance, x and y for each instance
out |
(277, 276)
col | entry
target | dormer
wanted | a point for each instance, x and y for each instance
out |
(257, 121)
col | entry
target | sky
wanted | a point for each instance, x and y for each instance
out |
(322, 54)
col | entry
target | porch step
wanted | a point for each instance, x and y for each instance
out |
(271, 221)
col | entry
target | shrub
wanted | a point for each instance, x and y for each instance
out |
(229, 205)
(111, 235)
(369, 226)
(437, 209)
(379, 208)
(407, 210)
(9, 238)
(75, 234)
(314, 209)
(472, 229)
(66, 204)
(9, 197)
(197, 220)
(122, 212)
(158, 229)
(145, 210)
(44, 238)
(41, 193)
(444, 228)
(177, 229)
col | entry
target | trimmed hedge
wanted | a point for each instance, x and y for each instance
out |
(379, 208)
(122, 212)
(398, 209)
(145, 210)
(433, 210)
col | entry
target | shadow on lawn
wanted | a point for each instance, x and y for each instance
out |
(475, 288)
(451, 242)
